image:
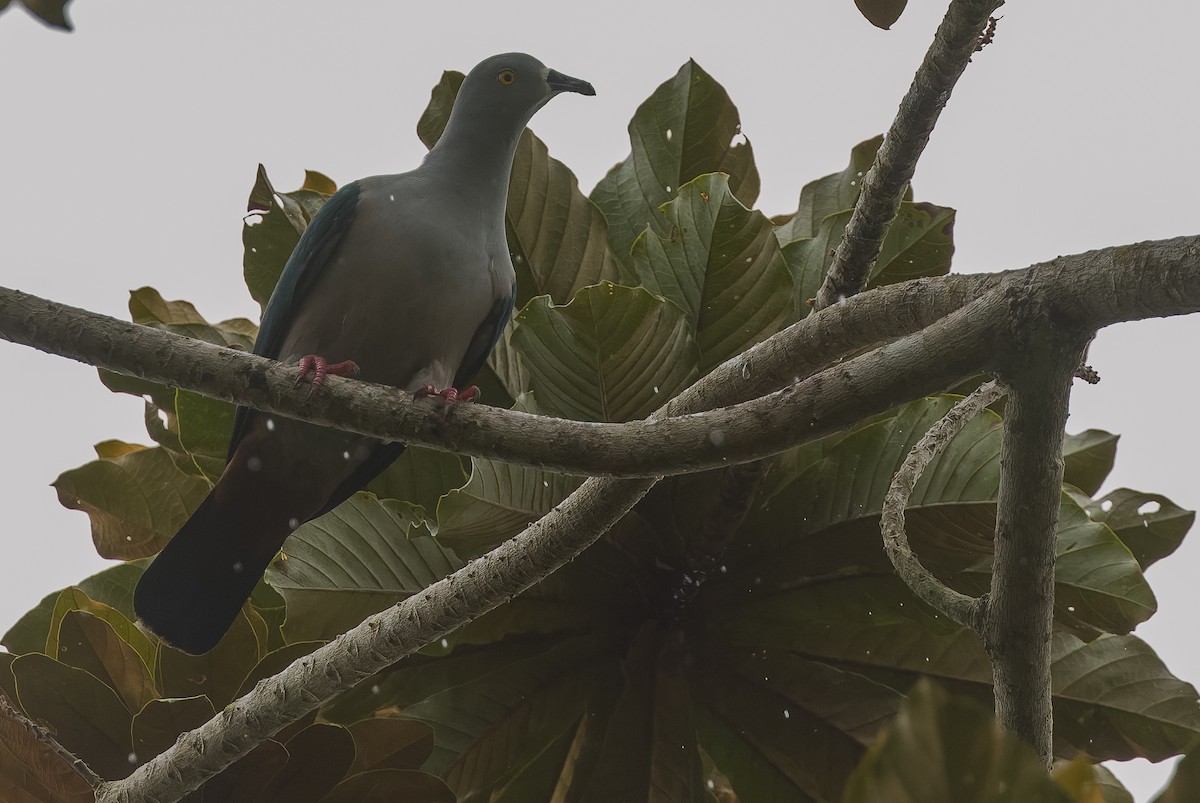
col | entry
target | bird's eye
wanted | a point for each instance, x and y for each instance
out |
(506, 77)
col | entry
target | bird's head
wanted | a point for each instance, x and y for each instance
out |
(510, 87)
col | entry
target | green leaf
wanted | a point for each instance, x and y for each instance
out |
(881, 13)
(499, 501)
(687, 128)
(352, 562)
(421, 477)
(1114, 699)
(273, 225)
(919, 243)
(88, 718)
(720, 264)
(31, 773)
(318, 758)
(388, 743)
(826, 521)
(831, 194)
(89, 643)
(1151, 525)
(649, 751)
(160, 722)
(437, 113)
(1097, 582)
(217, 674)
(945, 749)
(246, 780)
(613, 354)
(75, 599)
(51, 12)
(136, 502)
(275, 662)
(389, 785)
(113, 587)
(1087, 459)
(486, 730)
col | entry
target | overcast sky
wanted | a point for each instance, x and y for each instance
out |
(130, 146)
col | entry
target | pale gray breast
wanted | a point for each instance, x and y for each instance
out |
(405, 291)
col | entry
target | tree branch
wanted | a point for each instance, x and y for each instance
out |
(44, 736)
(960, 608)
(1094, 289)
(957, 38)
(1038, 371)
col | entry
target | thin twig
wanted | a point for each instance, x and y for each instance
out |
(883, 185)
(43, 735)
(960, 608)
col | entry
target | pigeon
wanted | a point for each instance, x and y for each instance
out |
(404, 280)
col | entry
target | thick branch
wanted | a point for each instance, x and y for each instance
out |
(883, 186)
(956, 606)
(1038, 371)
(1093, 289)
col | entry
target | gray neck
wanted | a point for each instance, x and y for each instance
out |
(475, 155)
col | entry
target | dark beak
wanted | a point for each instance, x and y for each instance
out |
(565, 83)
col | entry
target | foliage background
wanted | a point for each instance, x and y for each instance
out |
(155, 119)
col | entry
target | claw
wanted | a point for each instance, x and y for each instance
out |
(319, 368)
(451, 395)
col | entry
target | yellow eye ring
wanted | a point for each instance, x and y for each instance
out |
(506, 77)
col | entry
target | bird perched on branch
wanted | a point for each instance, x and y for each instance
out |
(404, 280)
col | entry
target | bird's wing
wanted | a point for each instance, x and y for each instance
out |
(317, 244)
(485, 338)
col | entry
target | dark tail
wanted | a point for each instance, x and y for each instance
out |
(194, 589)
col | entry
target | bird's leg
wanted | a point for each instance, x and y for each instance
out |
(451, 395)
(321, 369)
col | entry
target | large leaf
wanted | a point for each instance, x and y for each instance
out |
(1151, 525)
(721, 264)
(881, 13)
(88, 718)
(1087, 458)
(160, 723)
(613, 354)
(499, 501)
(649, 750)
(217, 674)
(421, 477)
(1113, 696)
(687, 128)
(826, 520)
(352, 562)
(318, 758)
(136, 502)
(919, 243)
(89, 643)
(273, 225)
(389, 785)
(485, 732)
(112, 587)
(830, 194)
(945, 749)
(31, 773)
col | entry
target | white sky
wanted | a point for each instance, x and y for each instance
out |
(130, 146)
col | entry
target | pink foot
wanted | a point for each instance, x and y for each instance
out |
(321, 369)
(451, 395)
